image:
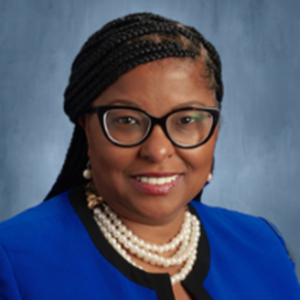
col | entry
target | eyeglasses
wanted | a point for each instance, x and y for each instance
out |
(187, 127)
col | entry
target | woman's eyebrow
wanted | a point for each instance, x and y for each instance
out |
(134, 104)
(190, 103)
(123, 102)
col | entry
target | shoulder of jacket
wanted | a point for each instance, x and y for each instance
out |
(280, 238)
(227, 213)
(31, 217)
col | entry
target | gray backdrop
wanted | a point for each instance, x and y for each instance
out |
(257, 156)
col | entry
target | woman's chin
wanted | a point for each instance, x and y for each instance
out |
(156, 210)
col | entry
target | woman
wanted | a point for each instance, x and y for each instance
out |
(145, 94)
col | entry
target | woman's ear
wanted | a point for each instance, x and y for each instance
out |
(82, 121)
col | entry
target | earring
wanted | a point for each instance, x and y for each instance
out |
(209, 177)
(87, 173)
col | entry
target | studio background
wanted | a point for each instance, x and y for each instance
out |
(257, 168)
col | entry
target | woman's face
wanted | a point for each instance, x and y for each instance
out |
(157, 87)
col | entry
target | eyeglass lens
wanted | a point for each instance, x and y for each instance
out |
(186, 127)
(189, 127)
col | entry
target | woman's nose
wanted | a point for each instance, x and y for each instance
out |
(157, 147)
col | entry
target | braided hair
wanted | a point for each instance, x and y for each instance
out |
(118, 47)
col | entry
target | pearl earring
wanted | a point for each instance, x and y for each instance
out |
(209, 177)
(87, 173)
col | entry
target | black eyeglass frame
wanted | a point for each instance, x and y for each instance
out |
(101, 110)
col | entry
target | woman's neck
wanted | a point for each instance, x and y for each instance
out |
(159, 233)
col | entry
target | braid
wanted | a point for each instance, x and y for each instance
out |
(75, 162)
(117, 48)
(102, 75)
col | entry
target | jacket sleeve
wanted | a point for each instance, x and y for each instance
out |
(8, 285)
(280, 237)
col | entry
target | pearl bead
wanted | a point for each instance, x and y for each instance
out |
(152, 261)
(146, 258)
(87, 174)
(121, 238)
(117, 222)
(166, 264)
(122, 228)
(128, 233)
(112, 216)
(135, 239)
(155, 248)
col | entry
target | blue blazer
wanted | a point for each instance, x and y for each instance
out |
(56, 251)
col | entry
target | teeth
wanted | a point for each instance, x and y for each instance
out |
(152, 180)
(142, 179)
(156, 180)
(160, 180)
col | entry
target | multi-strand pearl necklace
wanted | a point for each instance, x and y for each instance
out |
(124, 241)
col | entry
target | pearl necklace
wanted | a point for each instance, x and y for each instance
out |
(124, 241)
(121, 238)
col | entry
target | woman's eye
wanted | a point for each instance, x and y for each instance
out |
(186, 120)
(192, 119)
(127, 120)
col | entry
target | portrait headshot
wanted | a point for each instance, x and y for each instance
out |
(149, 150)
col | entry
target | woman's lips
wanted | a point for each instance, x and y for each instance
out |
(156, 184)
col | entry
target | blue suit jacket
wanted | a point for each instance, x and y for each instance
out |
(56, 251)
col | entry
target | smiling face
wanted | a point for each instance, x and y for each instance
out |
(152, 182)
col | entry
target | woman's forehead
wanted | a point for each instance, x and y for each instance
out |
(171, 80)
